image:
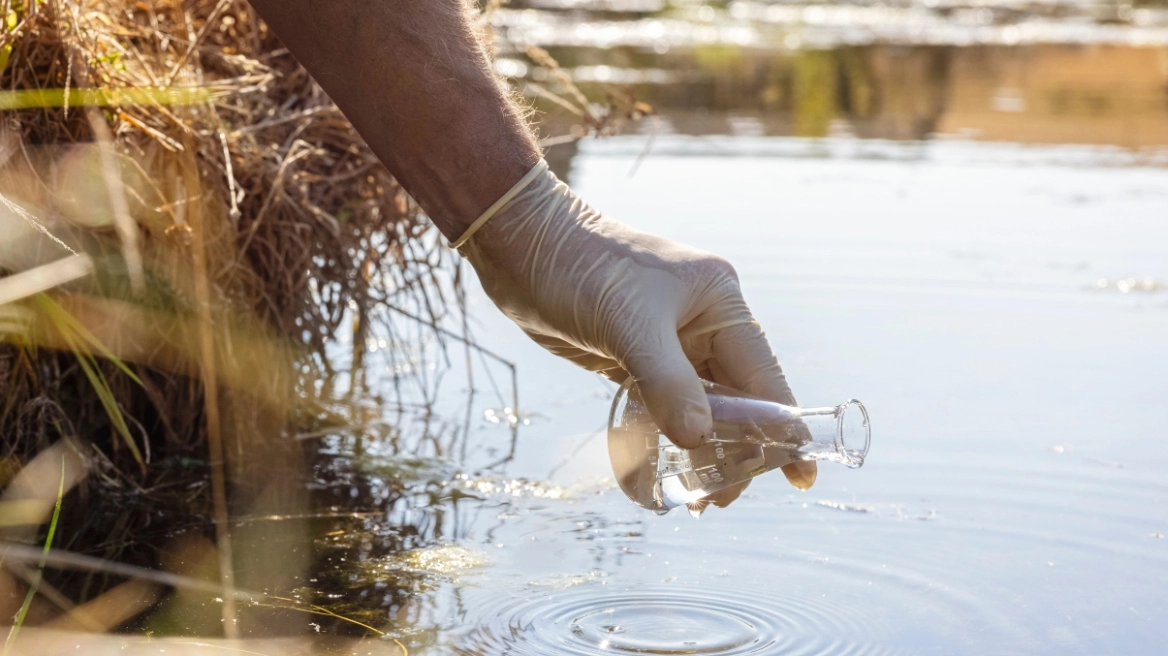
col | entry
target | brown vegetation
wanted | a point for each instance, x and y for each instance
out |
(187, 224)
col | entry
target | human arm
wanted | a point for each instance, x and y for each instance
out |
(414, 80)
(416, 83)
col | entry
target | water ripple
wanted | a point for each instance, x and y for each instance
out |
(662, 619)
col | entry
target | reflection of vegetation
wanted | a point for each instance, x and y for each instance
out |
(717, 56)
(813, 92)
(859, 87)
(1047, 93)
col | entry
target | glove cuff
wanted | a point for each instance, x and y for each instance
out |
(534, 173)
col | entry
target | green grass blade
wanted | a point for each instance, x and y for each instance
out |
(61, 317)
(73, 333)
(10, 22)
(32, 588)
(108, 401)
(107, 97)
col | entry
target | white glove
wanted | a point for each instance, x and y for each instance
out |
(622, 302)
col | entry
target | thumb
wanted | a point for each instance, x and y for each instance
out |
(672, 392)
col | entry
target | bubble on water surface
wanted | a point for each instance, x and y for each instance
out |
(596, 620)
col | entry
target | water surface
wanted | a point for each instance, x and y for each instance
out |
(955, 212)
(1001, 310)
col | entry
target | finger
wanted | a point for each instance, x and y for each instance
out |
(746, 359)
(716, 373)
(801, 473)
(671, 389)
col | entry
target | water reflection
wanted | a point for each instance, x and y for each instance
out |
(386, 542)
(1050, 94)
(1055, 73)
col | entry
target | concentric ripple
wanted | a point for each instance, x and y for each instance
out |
(674, 619)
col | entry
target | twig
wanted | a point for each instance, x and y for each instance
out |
(174, 71)
(58, 559)
(209, 373)
(653, 129)
(231, 191)
(127, 228)
(45, 277)
(24, 214)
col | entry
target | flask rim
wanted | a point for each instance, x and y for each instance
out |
(852, 454)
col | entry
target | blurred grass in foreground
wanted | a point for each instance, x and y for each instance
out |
(188, 224)
(69, 97)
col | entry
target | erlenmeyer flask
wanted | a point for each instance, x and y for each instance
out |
(751, 437)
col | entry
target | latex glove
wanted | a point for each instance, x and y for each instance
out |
(622, 303)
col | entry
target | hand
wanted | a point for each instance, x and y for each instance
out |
(625, 303)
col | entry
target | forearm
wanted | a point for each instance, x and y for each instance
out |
(413, 79)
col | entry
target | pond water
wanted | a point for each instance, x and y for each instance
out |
(1000, 309)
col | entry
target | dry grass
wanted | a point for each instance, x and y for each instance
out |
(188, 225)
(259, 198)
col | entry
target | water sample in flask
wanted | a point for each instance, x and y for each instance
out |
(751, 436)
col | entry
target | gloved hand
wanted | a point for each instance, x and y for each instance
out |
(625, 303)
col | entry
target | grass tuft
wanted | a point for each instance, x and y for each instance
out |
(84, 345)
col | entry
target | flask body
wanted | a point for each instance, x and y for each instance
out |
(751, 436)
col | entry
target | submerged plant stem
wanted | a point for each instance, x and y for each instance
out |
(214, 425)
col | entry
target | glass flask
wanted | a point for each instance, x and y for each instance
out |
(751, 436)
